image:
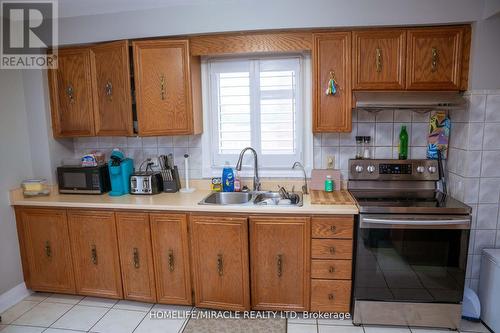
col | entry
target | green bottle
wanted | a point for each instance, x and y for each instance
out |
(403, 144)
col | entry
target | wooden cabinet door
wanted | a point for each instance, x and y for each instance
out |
(171, 257)
(71, 94)
(95, 253)
(111, 89)
(434, 58)
(280, 263)
(379, 59)
(136, 257)
(332, 58)
(45, 249)
(220, 262)
(163, 87)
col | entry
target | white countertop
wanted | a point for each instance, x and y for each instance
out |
(185, 202)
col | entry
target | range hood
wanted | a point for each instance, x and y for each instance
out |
(409, 100)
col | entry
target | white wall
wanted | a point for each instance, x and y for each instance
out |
(15, 165)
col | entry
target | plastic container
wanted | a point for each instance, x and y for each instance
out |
(489, 288)
(328, 184)
(227, 178)
(35, 187)
(403, 144)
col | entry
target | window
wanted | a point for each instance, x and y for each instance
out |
(255, 102)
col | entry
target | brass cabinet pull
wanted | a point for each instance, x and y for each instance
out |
(435, 59)
(163, 87)
(279, 264)
(70, 92)
(136, 258)
(331, 269)
(378, 52)
(331, 297)
(333, 228)
(93, 254)
(220, 265)
(171, 260)
(108, 89)
(332, 249)
(48, 249)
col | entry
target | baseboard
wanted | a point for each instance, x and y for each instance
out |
(13, 296)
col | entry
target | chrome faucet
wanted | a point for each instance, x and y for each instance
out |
(256, 179)
(299, 165)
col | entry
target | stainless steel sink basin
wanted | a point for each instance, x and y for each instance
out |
(227, 198)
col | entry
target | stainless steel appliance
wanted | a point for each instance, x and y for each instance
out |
(146, 183)
(411, 245)
(83, 180)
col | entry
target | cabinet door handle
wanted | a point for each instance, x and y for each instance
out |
(163, 87)
(378, 53)
(220, 265)
(331, 297)
(332, 249)
(171, 261)
(435, 59)
(136, 258)
(93, 254)
(48, 249)
(331, 269)
(108, 89)
(70, 92)
(279, 264)
(333, 228)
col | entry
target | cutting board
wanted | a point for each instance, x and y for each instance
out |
(331, 198)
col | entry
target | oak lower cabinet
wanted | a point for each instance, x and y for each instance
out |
(95, 253)
(45, 249)
(169, 233)
(279, 252)
(136, 257)
(220, 261)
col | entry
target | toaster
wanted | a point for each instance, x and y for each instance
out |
(146, 183)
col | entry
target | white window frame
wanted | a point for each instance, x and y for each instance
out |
(212, 166)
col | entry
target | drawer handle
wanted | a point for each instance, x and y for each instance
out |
(331, 297)
(378, 52)
(220, 265)
(279, 264)
(332, 249)
(93, 254)
(136, 258)
(331, 269)
(171, 260)
(108, 90)
(70, 92)
(435, 59)
(48, 249)
(333, 228)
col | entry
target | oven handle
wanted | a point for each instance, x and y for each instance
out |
(399, 222)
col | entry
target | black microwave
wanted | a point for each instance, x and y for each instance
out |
(84, 180)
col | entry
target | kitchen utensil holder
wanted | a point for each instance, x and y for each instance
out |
(171, 180)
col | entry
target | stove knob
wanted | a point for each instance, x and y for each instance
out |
(420, 169)
(370, 168)
(358, 168)
(432, 169)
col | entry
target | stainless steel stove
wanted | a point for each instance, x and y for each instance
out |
(411, 246)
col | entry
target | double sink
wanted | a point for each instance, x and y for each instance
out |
(255, 198)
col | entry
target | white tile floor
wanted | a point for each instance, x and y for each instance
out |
(53, 313)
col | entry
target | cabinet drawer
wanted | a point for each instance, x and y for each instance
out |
(331, 269)
(331, 295)
(336, 227)
(331, 249)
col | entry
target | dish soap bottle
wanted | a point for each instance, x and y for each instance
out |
(329, 186)
(227, 178)
(237, 182)
(403, 144)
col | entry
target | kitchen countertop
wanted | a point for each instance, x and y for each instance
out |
(186, 202)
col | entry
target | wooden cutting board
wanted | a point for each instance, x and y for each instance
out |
(331, 198)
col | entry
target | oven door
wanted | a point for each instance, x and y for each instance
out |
(411, 258)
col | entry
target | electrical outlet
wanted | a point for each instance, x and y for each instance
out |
(155, 161)
(330, 162)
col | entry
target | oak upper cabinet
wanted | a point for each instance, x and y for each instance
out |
(111, 89)
(379, 59)
(136, 256)
(434, 58)
(45, 249)
(95, 253)
(332, 60)
(168, 88)
(171, 258)
(71, 94)
(220, 262)
(280, 257)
